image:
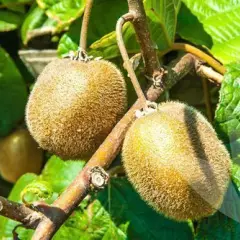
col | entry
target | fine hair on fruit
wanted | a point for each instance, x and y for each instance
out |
(74, 105)
(176, 162)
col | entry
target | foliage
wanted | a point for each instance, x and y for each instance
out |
(118, 212)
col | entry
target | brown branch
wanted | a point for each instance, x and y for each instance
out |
(128, 65)
(19, 213)
(149, 53)
(85, 23)
(210, 74)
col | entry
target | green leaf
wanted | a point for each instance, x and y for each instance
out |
(63, 12)
(37, 23)
(37, 190)
(227, 116)
(92, 223)
(15, 5)
(9, 20)
(162, 17)
(13, 94)
(107, 46)
(219, 19)
(125, 205)
(189, 28)
(59, 174)
(236, 175)
(7, 225)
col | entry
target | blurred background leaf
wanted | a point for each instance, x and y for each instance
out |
(220, 21)
(9, 20)
(13, 94)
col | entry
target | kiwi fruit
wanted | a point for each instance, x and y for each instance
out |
(74, 105)
(19, 154)
(176, 162)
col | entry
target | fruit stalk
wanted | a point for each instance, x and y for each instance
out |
(85, 23)
(120, 23)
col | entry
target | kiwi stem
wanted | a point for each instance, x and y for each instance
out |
(198, 53)
(120, 23)
(19, 212)
(210, 74)
(85, 23)
(201, 70)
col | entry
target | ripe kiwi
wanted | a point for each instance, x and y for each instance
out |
(176, 162)
(19, 154)
(74, 105)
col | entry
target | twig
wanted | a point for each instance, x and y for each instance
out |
(19, 213)
(149, 53)
(210, 74)
(198, 53)
(85, 22)
(126, 18)
(201, 70)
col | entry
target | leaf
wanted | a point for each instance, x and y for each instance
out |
(63, 12)
(7, 225)
(189, 28)
(13, 94)
(92, 223)
(59, 174)
(107, 46)
(36, 191)
(124, 204)
(35, 24)
(227, 116)
(15, 5)
(220, 20)
(162, 17)
(9, 20)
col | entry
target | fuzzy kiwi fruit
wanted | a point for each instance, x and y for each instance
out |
(74, 105)
(176, 162)
(19, 154)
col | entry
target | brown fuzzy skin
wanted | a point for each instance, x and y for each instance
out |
(176, 162)
(74, 105)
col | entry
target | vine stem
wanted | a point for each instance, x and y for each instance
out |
(19, 212)
(128, 65)
(85, 23)
(198, 53)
